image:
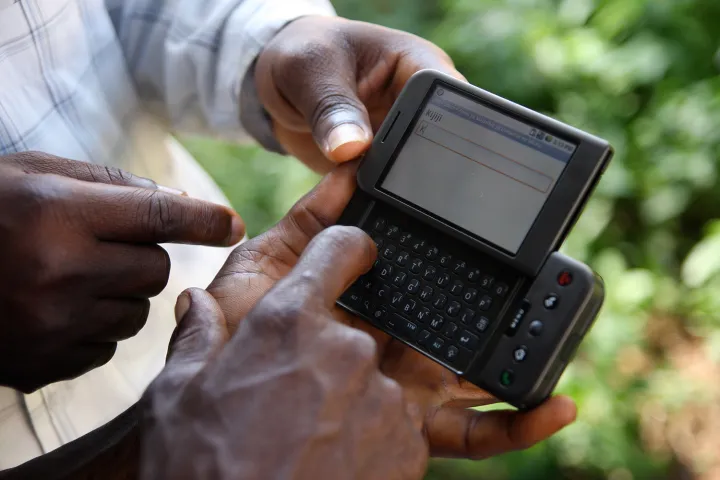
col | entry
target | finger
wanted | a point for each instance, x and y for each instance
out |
(422, 55)
(331, 263)
(200, 335)
(301, 145)
(318, 78)
(37, 371)
(114, 320)
(460, 433)
(120, 270)
(319, 209)
(124, 214)
(43, 163)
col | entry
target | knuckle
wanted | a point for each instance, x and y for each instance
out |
(359, 346)
(392, 391)
(155, 212)
(273, 313)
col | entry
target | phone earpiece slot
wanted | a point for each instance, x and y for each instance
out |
(391, 127)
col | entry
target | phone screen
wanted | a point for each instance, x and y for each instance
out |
(477, 168)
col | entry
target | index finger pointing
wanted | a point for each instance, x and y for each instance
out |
(136, 215)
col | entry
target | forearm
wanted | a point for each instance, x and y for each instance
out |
(111, 452)
(189, 59)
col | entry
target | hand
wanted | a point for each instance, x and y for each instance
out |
(79, 261)
(295, 394)
(443, 398)
(328, 84)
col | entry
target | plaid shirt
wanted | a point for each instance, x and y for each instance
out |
(104, 81)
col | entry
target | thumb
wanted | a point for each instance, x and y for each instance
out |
(200, 335)
(328, 100)
(317, 87)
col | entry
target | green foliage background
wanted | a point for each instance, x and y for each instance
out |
(641, 73)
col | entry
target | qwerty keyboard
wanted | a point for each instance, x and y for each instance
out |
(425, 289)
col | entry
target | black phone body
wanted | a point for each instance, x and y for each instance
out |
(469, 196)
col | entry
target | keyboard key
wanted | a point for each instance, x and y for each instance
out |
(392, 323)
(380, 313)
(379, 242)
(409, 306)
(386, 271)
(408, 328)
(518, 318)
(459, 267)
(416, 265)
(389, 252)
(399, 279)
(453, 309)
(366, 305)
(380, 225)
(423, 337)
(443, 280)
(426, 294)
(396, 299)
(445, 259)
(406, 239)
(452, 353)
(429, 273)
(450, 330)
(470, 295)
(500, 290)
(486, 282)
(393, 231)
(457, 288)
(437, 322)
(413, 286)
(382, 292)
(482, 325)
(402, 259)
(354, 299)
(419, 245)
(367, 284)
(467, 316)
(485, 303)
(432, 252)
(422, 315)
(440, 301)
(467, 340)
(437, 344)
(474, 275)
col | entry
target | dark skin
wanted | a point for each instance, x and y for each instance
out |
(328, 84)
(211, 401)
(450, 428)
(294, 394)
(79, 261)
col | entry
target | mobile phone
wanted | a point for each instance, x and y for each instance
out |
(468, 197)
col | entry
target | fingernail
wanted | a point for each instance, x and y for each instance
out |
(345, 134)
(237, 230)
(182, 306)
(172, 191)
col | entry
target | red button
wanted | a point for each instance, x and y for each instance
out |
(565, 279)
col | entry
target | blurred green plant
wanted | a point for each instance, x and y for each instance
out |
(641, 73)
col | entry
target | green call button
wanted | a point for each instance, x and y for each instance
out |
(507, 378)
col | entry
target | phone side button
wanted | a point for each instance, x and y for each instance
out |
(517, 320)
